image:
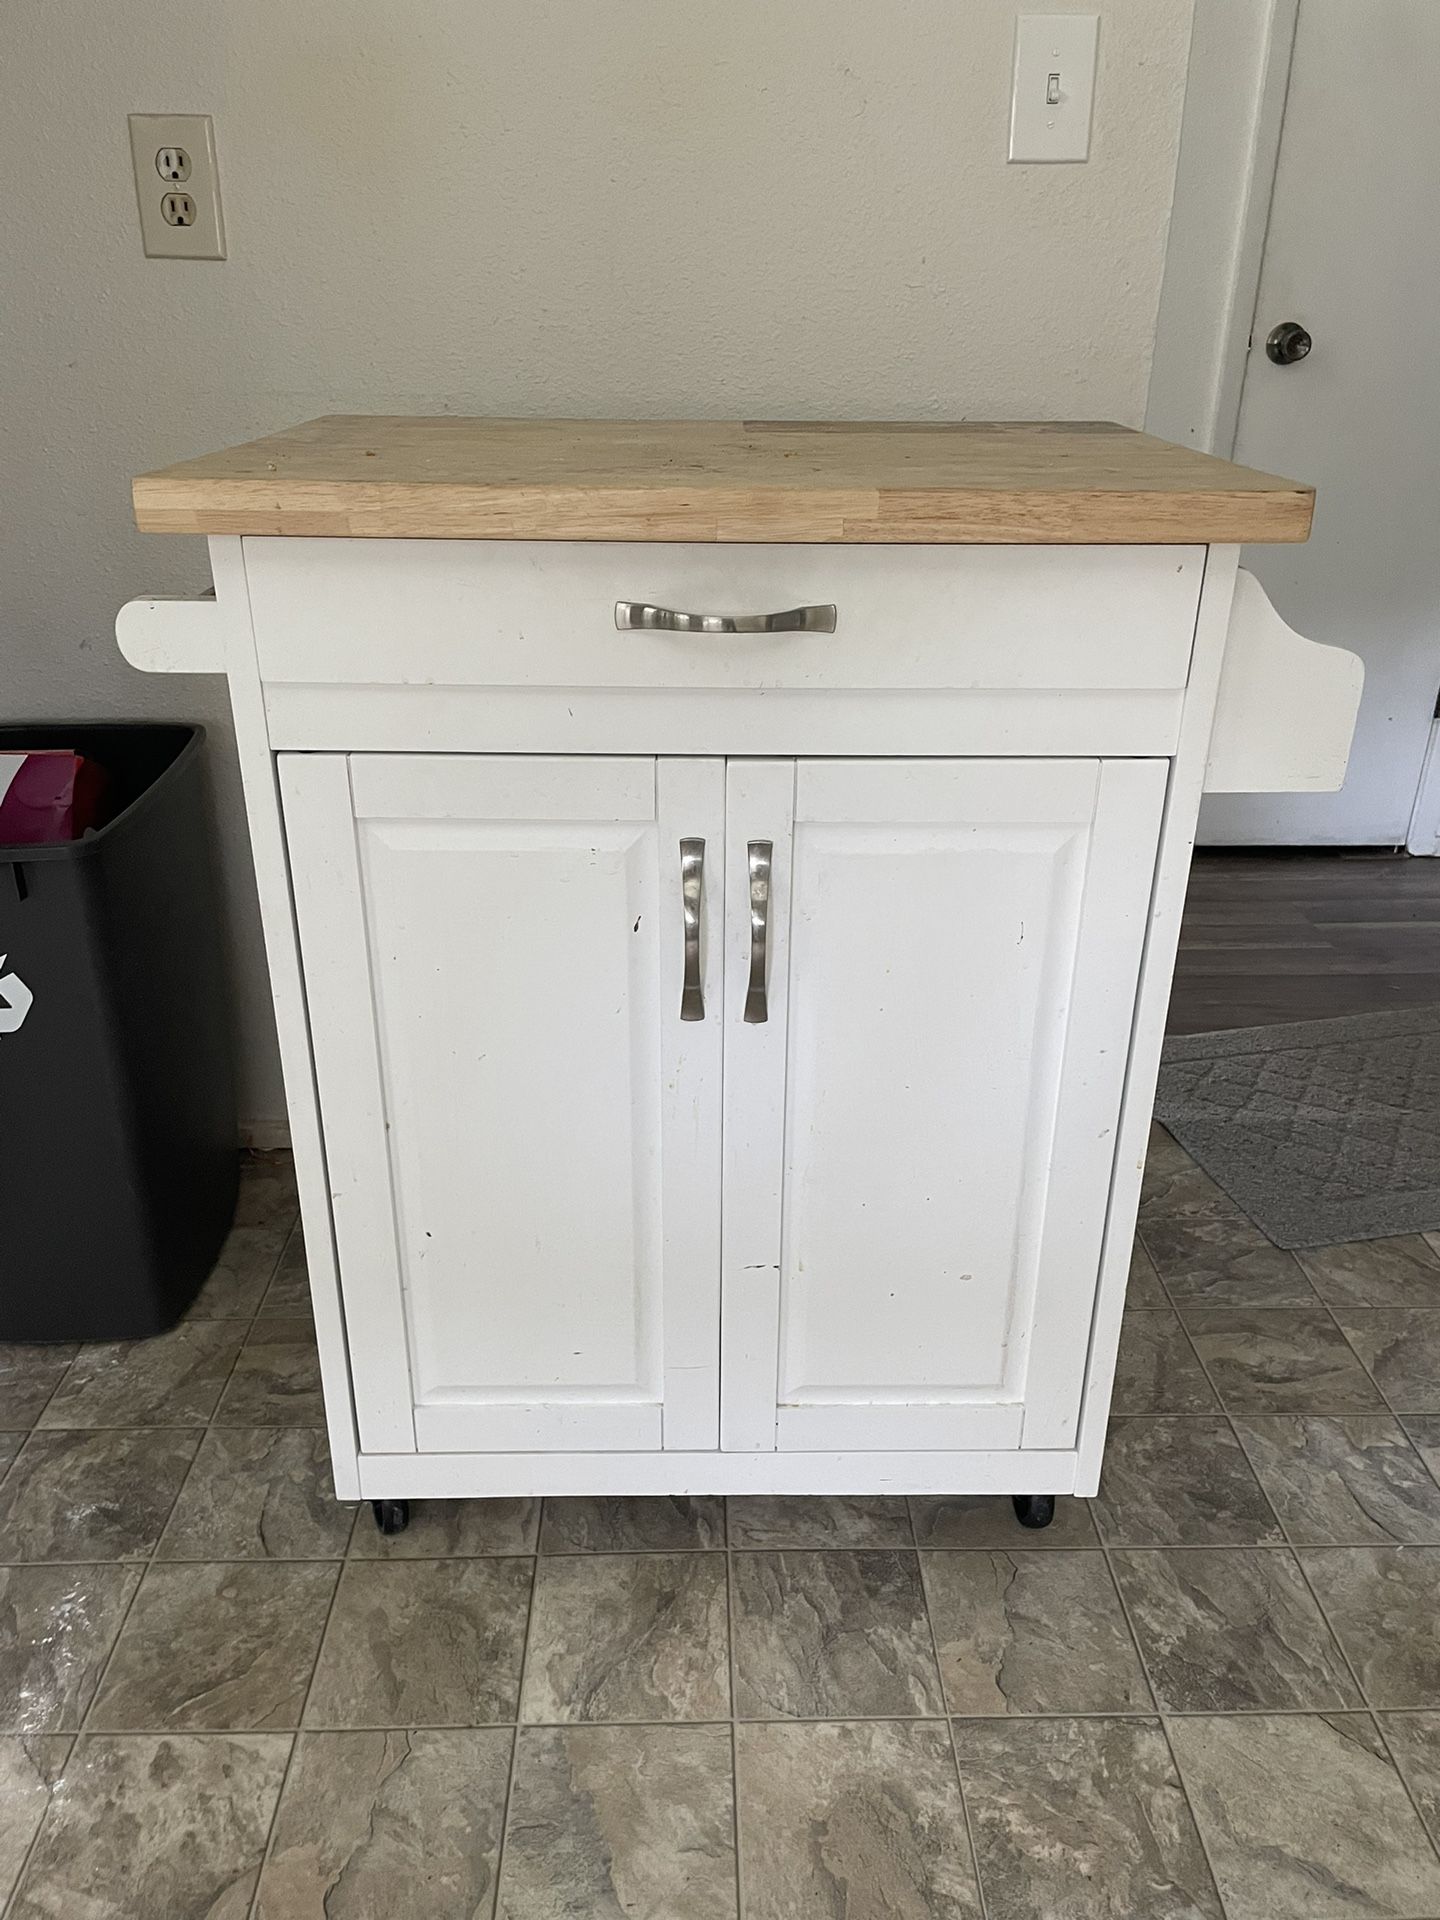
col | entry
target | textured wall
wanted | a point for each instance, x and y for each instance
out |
(729, 207)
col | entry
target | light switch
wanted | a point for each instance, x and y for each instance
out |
(1054, 85)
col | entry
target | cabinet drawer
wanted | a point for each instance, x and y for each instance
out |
(517, 614)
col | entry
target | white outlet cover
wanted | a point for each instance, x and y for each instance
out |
(150, 134)
(1054, 85)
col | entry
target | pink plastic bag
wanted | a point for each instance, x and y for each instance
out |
(48, 796)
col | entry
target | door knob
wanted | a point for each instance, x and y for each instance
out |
(1288, 343)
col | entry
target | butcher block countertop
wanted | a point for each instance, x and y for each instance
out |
(444, 477)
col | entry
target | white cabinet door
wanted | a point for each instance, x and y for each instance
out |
(522, 1135)
(919, 1135)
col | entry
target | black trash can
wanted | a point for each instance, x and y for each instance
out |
(118, 1153)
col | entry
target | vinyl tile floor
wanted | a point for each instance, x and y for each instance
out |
(1211, 1693)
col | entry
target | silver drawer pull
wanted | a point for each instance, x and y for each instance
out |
(757, 1008)
(636, 616)
(692, 887)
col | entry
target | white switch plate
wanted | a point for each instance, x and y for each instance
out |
(175, 171)
(1054, 85)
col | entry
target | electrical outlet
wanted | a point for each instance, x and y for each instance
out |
(168, 149)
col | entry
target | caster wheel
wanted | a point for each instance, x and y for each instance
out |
(1034, 1509)
(391, 1516)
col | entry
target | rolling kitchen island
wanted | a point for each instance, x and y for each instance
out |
(721, 884)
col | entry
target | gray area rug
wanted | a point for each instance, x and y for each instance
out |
(1322, 1130)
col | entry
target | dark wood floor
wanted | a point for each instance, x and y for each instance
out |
(1305, 935)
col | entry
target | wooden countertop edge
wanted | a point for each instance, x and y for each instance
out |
(961, 516)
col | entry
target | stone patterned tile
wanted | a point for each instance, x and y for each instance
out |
(28, 1377)
(1400, 1346)
(451, 1529)
(172, 1380)
(30, 1766)
(92, 1495)
(1143, 1288)
(624, 1525)
(832, 1635)
(259, 1493)
(242, 1273)
(628, 1637)
(1180, 1483)
(1231, 1629)
(1166, 1161)
(1423, 1431)
(874, 1520)
(423, 1643)
(1414, 1741)
(1343, 1482)
(268, 1194)
(57, 1626)
(173, 1826)
(1221, 1259)
(10, 1445)
(387, 1824)
(859, 1818)
(611, 1821)
(1401, 1272)
(1032, 1633)
(1291, 1362)
(1081, 1820)
(289, 1292)
(988, 1520)
(1305, 1817)
(276, 1382)
(1179, 1190)
(227, 1647)
(1384, 1604)
(1156, 1370)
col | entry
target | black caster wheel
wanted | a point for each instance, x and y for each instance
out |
(1034, 1509)
(391, 1516)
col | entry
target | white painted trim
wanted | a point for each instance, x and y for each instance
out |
(1285, 715)
(328, 902)
(172, 633)
(1116, 897)
(1238, 76)
(483, 1476)
(759, 805)
(871, 724)
(1177, 843)
(272, 880)
(1423, 836)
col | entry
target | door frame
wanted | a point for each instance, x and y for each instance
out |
(1235, 91)
(1237, 84)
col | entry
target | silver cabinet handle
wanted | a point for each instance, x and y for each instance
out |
(692, 888)
(634, 616)
(757, 1008)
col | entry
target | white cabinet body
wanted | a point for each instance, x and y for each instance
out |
(723, 1061)
(531, 1152)
(919, 1137)
(523, 1139)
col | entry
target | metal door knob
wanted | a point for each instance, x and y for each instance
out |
(1288, 343)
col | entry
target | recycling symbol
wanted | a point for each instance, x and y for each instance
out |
(16, 1000)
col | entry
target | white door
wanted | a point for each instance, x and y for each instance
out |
(522, 1133)
(1351, 254)
(919, 1131)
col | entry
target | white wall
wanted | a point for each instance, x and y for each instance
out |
(652, 207)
